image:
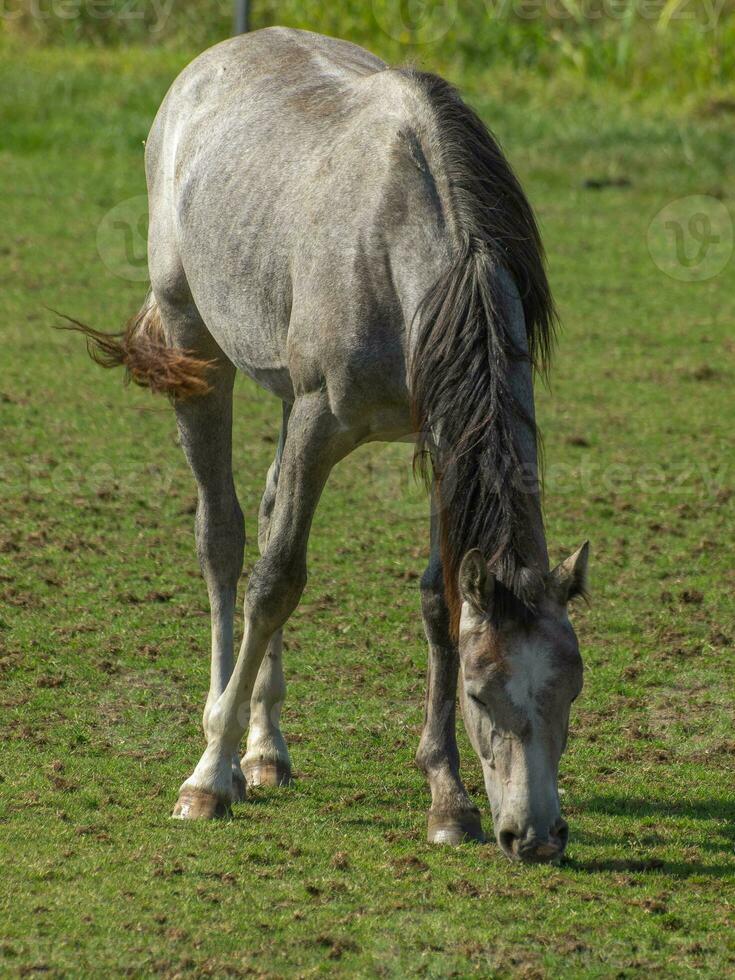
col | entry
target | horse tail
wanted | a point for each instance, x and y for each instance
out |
(149, 361)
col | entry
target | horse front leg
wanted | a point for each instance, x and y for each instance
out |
(453, 818)
(314, 443)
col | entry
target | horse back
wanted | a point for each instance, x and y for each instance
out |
(288, 173)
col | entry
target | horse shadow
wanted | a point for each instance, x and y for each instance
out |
(720, 810)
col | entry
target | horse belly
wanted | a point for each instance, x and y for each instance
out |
(240, 284)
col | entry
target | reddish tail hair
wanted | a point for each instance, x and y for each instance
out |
(142, 350)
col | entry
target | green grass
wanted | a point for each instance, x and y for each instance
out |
(682, 47)
(104, 627)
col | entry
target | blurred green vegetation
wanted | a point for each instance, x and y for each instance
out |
(678, 47)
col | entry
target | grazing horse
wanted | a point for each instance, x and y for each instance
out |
(351, 237)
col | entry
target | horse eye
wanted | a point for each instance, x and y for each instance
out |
(474, 697)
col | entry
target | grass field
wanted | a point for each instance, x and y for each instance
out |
(104, 622)
(677, 46)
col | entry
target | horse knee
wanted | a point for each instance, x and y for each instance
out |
(273, 592)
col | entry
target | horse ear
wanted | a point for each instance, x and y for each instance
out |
(569, 579)
(476, 583)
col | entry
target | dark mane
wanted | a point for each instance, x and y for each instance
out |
(459, 373)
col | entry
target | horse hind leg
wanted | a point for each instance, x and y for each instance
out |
(266, 761)
(316, 441)
(205, 430)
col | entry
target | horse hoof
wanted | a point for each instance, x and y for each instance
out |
(264, 773)
(455, 828)
(198, 804)
(239, 786)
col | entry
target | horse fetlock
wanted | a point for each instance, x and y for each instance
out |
(209, 792)
(213, 773)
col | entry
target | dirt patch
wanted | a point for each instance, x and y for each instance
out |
(409, 864)
(692, 597)
(50, 680)
(463, 888)
(337, 946)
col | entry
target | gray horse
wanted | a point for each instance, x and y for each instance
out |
(350, 236)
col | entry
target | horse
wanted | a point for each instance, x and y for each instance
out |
(350, 236)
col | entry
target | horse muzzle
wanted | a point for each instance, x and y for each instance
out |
(531, 847)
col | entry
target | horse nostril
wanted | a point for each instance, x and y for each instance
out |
(508, 841)
(533, 848)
